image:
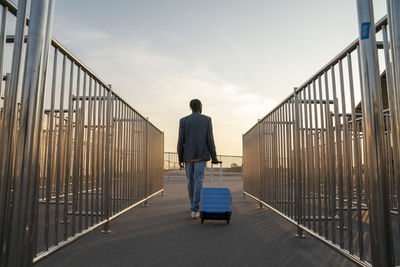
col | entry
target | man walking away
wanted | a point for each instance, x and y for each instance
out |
(195, 146)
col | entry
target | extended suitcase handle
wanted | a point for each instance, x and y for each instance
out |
(220, 174)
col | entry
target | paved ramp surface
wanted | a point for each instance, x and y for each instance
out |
(164, 235)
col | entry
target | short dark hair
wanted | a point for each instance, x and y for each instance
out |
(195, 105)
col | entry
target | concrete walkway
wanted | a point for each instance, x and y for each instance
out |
(164, 235)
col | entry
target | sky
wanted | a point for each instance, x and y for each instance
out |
(240, 58)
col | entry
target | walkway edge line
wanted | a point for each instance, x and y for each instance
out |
(323, 240)
(65, 243)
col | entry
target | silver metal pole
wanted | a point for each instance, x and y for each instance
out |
(60, 152)
(380, 222)
(89, 160)
(26, 166)
(298, 212)
(393, 119)
(357, 159)
(317, 158)
(347, 165)
(3, 42)
(50, 151)
(393, 82)
(259, 161)
(393, 7)
(324, 157)
(107, 178)
(94, 155)
(338, 166)
(146, 163)
(8, 135)
(69, 144)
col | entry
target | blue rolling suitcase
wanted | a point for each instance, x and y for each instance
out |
(216, 202)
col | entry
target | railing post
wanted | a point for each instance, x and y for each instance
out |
(393, 74)
(108, 169)
(145, 203)
(297, 157)
(380, 219)
(26, 179)
(259, 162)
(7, 133)
(393, 7)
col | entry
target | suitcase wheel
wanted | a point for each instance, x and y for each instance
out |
(227, 221)
(201, 218)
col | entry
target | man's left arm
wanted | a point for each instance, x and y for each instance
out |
(210, 141)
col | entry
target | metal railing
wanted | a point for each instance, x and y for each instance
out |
(229, 162)
(74, 155)
(327, 157)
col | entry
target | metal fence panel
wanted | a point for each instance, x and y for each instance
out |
(74, 154)
(308, 159)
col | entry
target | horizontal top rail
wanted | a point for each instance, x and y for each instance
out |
(13, 10)
(350, 48)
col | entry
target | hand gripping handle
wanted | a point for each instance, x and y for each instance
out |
(220, 174)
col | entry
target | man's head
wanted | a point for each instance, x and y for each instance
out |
(195, 105)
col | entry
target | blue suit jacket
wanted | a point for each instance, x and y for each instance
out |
(196, 139)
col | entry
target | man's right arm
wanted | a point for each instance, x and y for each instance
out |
(181, 141)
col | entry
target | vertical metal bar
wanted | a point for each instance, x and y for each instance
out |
(8, 135)
(89, 161)
(2, 44)
(68, 157)
(50, 149)
(94, 155)
(38, 129)
(26, 167)
(317, 157)
(393, 104)
(147, 158)
(128, 160)
(347, 166)
(305, 171)
(107, 180)
(46, 157)
(331, 162)
(60, 153)
(259, 160)
(118, 142)
(5, 190)
(297, 163)
(115, 153)
(273, 158)
(311, 178)
(380, 222)
(324, 154)
(312, 164)
(394, 22)
(287, 158)
(124, 195)
(104, 150)
(99, 176)
(133, 158)
(302, 170)
(338, 166)
(290, 156)
(75, 171)
(359, 158)
(81, 138)
(281, 160)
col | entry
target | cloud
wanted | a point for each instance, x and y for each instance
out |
(160, 86)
